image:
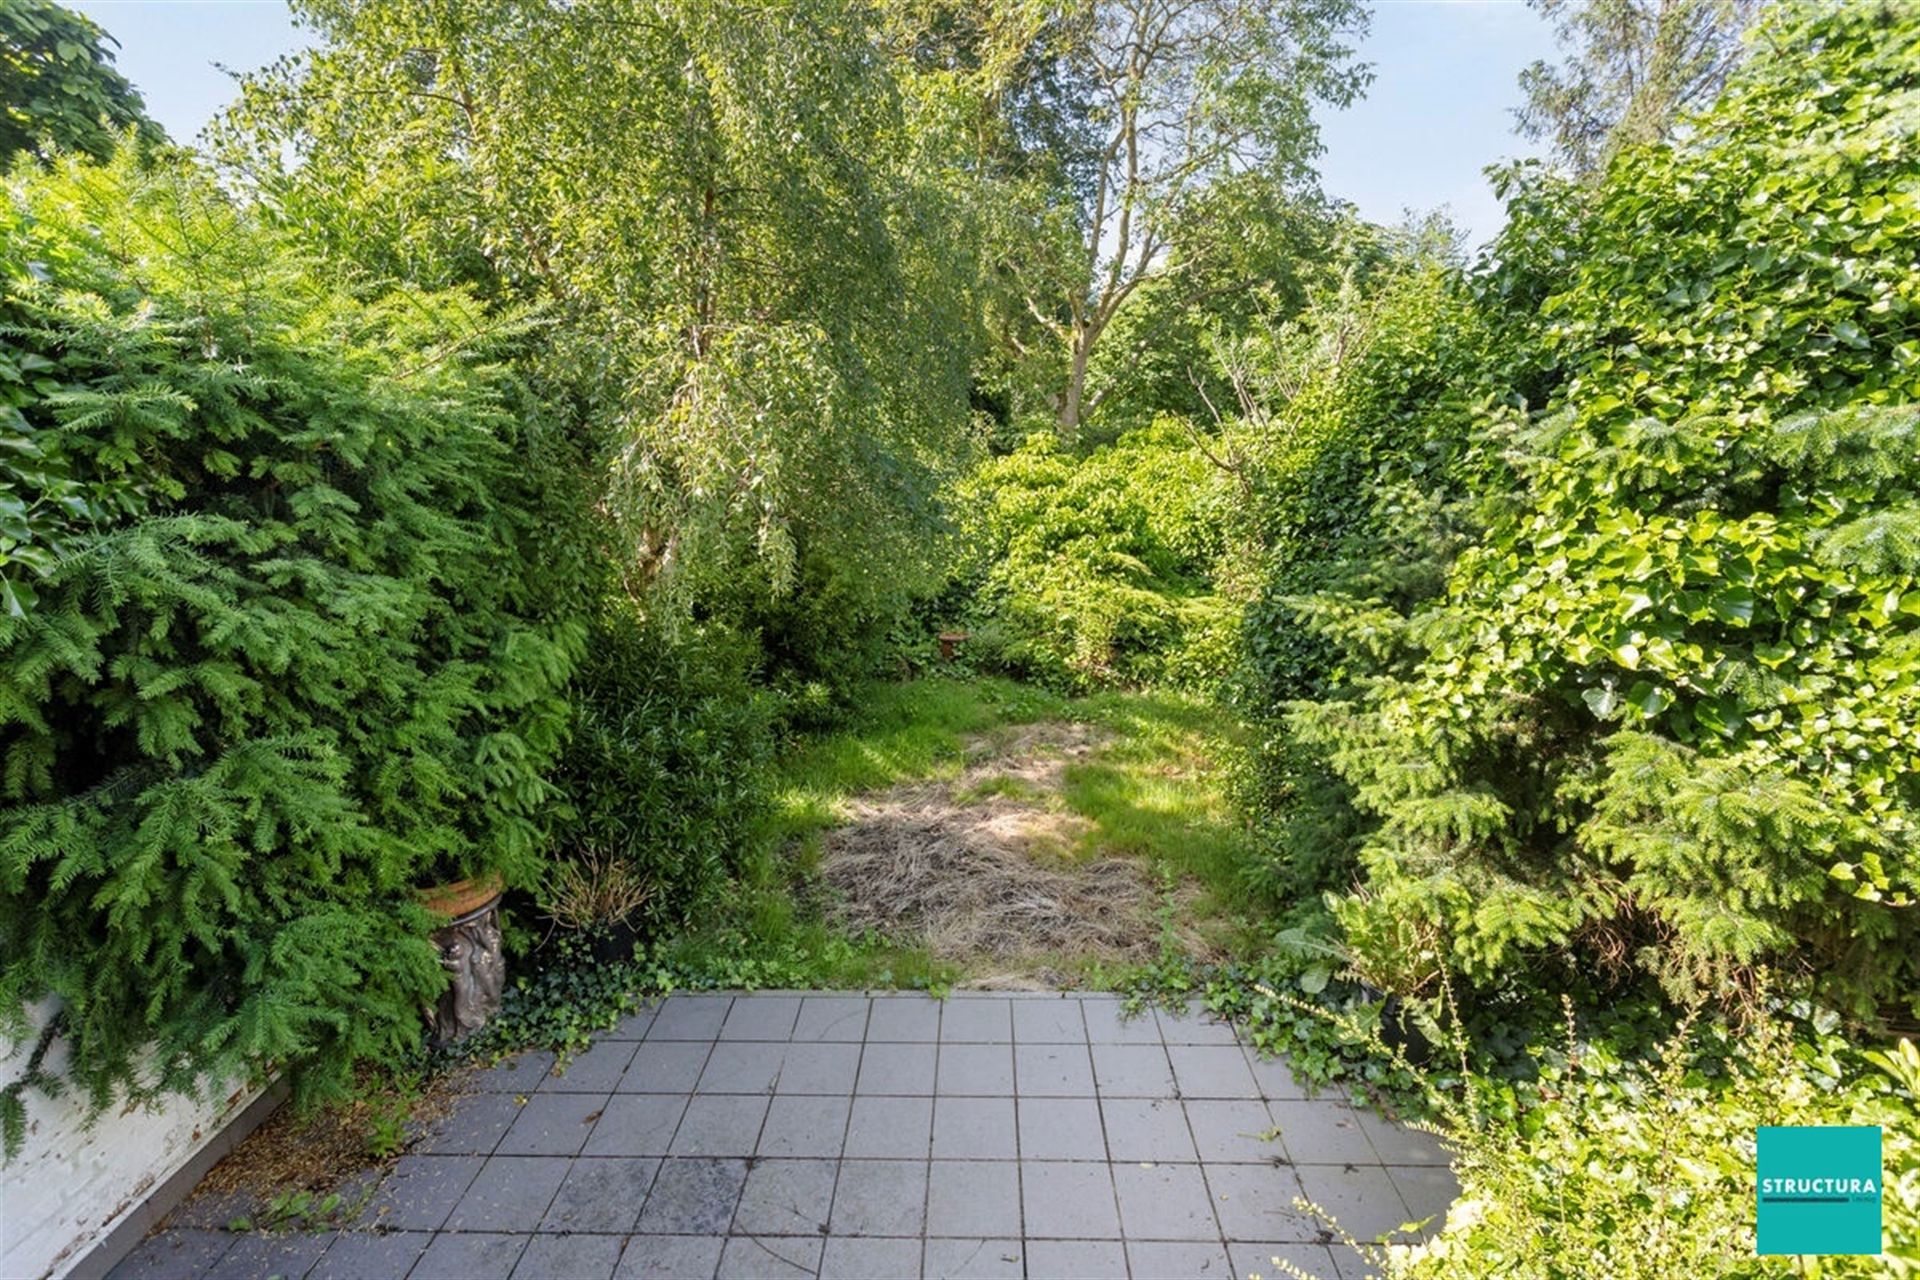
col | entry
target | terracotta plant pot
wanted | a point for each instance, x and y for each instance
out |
(470, 952)
(461, 897)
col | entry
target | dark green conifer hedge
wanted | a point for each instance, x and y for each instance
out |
(273, 648)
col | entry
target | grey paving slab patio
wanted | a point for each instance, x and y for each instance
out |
(848, 1135)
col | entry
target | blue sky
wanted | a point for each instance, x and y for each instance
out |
(1439, 110)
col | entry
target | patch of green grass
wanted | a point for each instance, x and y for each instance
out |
(900, 732)
(1151, 790)
(1154, 789)
(1003, 786)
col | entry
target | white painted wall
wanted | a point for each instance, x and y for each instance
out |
(73, 1183)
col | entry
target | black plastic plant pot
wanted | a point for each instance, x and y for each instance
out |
(614, 943)
(1398, 1030)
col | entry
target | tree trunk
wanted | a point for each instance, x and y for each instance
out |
(1075, 394)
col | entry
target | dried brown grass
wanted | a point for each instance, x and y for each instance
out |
(987, 869)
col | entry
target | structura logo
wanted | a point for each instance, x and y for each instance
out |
(1819, 1189)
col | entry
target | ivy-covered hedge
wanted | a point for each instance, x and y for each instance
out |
(1661, 719)
(270, 655)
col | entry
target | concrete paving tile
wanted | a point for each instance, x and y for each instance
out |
(1193, 1025)
(516, 1073)
(1061, 1129)
(693, 1197)
(598, 1070)
(1258, 1261)
(1428, 1192)
(1146, 1129)
(1076, 1259)
(469, 1256)
(1108, 1023)
(1351, 1264)
(665, 1066)
(1052, 1070)
(1255, 1202)
(1068, 1201)
(804, 1126)
(255, 1256)
(1233, 1131)
(1132, 1071)
(689, 1018)
(212, 1212)
(363, 1255)
(511, 1194)
(896, 1068)
(1324, 1131)
(761, 1018)
(636, 1124)
(1049, 1022)
(569, 1257)
(973, 1198)
(421, 1191)
(553, 1124)
(668, 1257)
(870, 1258)
(913, 1018)
(634, 1025)
(1362, 1200)
(978, 1070)
(770, 1258)
(721, 1124)
(1180, 1260)
(974, 1129)
(786, 1198)
(1212, 1071)
(474, 1126)
(602, 1195)
(971, 1259)
(1164, 1202)
(897, 1128)
(820, 1068)
(1278, 1082)
(976, 1020)
(832, 1018)
(742, 1066)
(880, 1198)
(1397, 1144)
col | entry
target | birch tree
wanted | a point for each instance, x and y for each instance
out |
(1185, 100)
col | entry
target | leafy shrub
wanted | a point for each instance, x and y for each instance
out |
(1663, 717)
(666, 764)
(272, 655)
(1645, 1170)
(1355, 413)
(1096, 570)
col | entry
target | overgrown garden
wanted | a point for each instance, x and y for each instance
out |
(602, 447)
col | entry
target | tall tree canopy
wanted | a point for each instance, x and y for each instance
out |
(1633, 68)
(722, 203)
(57, 83)
(1195, 122)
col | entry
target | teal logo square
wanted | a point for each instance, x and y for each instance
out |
(1819, 1189)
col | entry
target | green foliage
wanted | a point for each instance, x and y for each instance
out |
(283, 658)
(1354, 413)
(57, 84)
(1096, 570)
(1662, 714)
(758, 304)
(1644, 1169)
(1631, 74)
(667, 764)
